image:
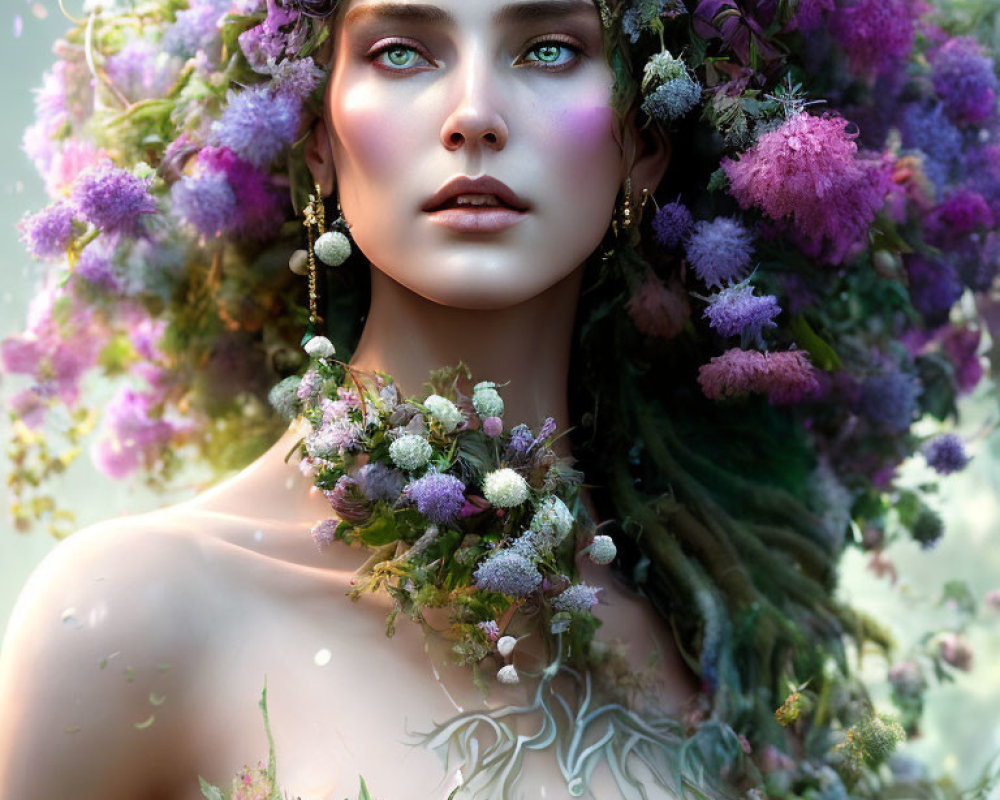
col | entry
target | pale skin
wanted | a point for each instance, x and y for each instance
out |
(180, 614)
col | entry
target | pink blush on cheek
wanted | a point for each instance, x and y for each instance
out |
(378, 142)
(586, 128)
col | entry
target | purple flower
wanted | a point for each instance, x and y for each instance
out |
(136, 434)
(946, 454)
(196, 29)
(96, 264)
(737, 310)
(438, 497)
(323, 532)
(140, 70)
(876, 34)
(347, 501)
(112, 199)
(258, 213)
(785, 377)
(931, 132)
(579, 598)
(521, 440)
(378, 481)
(333, 440)
(509, 573)
(491, 629)
(809, 13)
(673, 99)
(671, 224)
(547, 429)
(297, 77)
(493, 426)
(205, 201)
(889, 400)
(257, 124)
(934, 287)
(962, 212)
(965, 81)
(719, 250)
(268, 41)
(808, 172)
(962, 347)
(48, 233)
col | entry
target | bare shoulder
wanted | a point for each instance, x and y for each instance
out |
(92, 667)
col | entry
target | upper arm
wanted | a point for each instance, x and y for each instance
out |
(92, 668)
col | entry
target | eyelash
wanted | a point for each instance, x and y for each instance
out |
(399, 44)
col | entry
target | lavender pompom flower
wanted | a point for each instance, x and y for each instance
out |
(509, 573)
(323, 532)
(333, 440)
(297, 77)
(671, 224)
(112, 199)
(438, 497)
(48, 233)
(889, 400)
(521, 440)
(378, 481)
(737, 310)
(578, 599)
(946, 454)
(258, 124)
(196, 29)
(719, 250)
(965, 80)
(505, 488)
(205, 201)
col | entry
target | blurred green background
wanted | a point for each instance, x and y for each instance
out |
(961, 729)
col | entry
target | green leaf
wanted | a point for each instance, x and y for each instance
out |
(209, 791)
(365, 794)
(821, 353)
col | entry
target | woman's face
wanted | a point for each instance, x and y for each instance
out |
(421, 94)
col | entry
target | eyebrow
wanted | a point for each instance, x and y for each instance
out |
(507, 15)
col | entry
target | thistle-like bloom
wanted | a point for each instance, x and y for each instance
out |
(659, 309)
(719, 250)
(578, 598)
(258, 213)
(410, 452)
(602, 550)
(444, 411)
(196, 29)
(671, 224)
(347, 501)
(785, 377)
(946, 454)
(378, 481)
(505, 488)
(257, 124)
(965, 80)
(438, 497)
(487, 400)
(48, 233)
(112, 199)
(333, 440)
(808, 172)
(736, 310)
(552, 514)
(509, 573)
(673, 99)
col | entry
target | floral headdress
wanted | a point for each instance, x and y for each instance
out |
(808, 287)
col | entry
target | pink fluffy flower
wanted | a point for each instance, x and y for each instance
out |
(659, 309)
(808, 173)
(785, 377)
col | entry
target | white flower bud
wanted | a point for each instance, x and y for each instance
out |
(320, 347)
(505, 645)
(444, 411)
(508, 675)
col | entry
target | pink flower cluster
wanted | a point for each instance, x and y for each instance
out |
(785, 377)
(808, 173)
(659, 309)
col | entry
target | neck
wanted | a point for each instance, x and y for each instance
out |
(526, 346)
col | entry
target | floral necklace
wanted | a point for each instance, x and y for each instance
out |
(458, 511)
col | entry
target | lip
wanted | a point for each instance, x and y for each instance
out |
(484, 219)
(484, 184)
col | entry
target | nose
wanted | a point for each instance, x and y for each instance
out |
(476, 118)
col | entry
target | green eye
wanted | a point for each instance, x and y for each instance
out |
(553, 53)
(398, 56)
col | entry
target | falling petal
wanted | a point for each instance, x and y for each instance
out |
(322, 657)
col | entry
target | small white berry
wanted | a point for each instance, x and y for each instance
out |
(505, 645)
(508, 675)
